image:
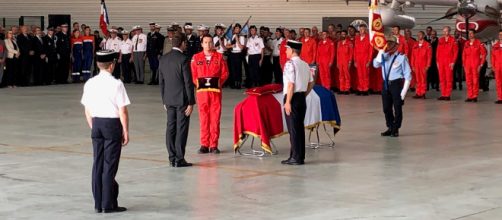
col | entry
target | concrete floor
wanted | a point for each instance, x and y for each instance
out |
(447, 164)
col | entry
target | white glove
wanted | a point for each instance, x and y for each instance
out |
(379, 56)
(405, 89)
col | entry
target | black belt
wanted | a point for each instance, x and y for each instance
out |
(400, 80)
(208, 83)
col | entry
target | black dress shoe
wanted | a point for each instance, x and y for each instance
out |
(441, 98)
(293, 162)
(347, 93)
(468, 100)
(498, 102)
(366, 93)
(285, 161)
(118, 209)
(475, 100)
(447, 98)
(98, 210)
(395, 133)
(214, 150)
(172, 163)
(386, 133)
(182, 163)
(203, 150)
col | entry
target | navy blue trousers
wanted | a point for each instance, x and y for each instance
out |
(107, 145)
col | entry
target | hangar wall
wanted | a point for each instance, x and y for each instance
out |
(273, 13)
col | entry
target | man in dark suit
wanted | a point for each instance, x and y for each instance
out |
(39, 57)
(63, 47)
(177, 90)
(52, 56)
(26, 48)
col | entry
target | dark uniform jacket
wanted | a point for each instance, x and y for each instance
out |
(63, 44)
(193, 46)
(50, 48)
(155, 43)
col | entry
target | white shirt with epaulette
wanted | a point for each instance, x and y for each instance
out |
(104, 96)
(297, 71)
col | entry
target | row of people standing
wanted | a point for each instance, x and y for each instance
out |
(44, 58)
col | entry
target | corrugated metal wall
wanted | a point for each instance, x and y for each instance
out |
(126, 13)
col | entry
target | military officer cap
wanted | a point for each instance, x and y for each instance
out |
(294, 44)
(170, 28)
(152, 23)
(220, 26)
(137, 27)
(124, 32)
(157, 26)
(106, 56)
(391, 38)
(64, 25)
(113, 31)
(50, 29)
(188, 26)
(202, 28)
(175, 24)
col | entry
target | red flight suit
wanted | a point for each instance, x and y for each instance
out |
(345, 53)
(411, 43)
(403, 45)
(325, 59)
(473, 57)
(376, 80)
(363, 54)
(208, 77)
(421, 57)
(335, 76)
(446, 57)
(497, 66)
(309, 50)
(283, 57)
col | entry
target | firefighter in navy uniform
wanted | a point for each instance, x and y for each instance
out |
(193, 42)
(155, 42)
(63, 48)
(105, 100)
(51, 54)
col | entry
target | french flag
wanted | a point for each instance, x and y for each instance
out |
(103, 19)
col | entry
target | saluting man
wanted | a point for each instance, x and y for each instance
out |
(298, 82)
(396, 73)
(209, 72)
(105, 100)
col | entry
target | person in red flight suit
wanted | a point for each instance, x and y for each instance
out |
(209, 72)
(376, 79)
(403, 47)
(362, 59)
(497, 66)
(325, 59)
(283, 58)
(345, 53)
(408, 36)
(474, 56)
(447, 55)
(421, 57)
(309, 48)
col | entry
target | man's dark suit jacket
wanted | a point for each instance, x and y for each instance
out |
(175, 79)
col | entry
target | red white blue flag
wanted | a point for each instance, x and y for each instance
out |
(103, 19)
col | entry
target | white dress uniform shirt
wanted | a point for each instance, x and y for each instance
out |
(221, 48)
(139, 43)
(297, 71)
(126, 46)
(104, 96)
(113, 44)
(255, 45)
(277, 47)
(242, 40)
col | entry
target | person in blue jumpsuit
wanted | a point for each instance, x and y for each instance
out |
(88, 52)
(76, 48)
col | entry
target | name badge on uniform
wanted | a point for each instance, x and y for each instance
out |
(395, 65)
